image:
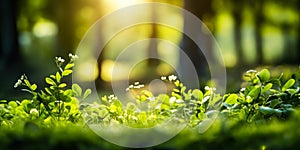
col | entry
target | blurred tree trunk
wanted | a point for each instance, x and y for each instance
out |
(11, 63)
(291, 50)
(65, 15)
(200, 9)
(9, 50)
(259, 19)
(152, 49)
(237, 14)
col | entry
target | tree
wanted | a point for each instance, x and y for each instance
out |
(201, 9)
(9, 49)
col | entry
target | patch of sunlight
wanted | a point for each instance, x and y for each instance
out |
(248, 44)
(86, 13)
(224, 36)
(248, 38)
(124, 3)
(168, 51)
(88, 71)
(164, 69)
(126, 37)
(280, 14)
(273, 44)
(44, 28)
(112, 5)
(112, 70)
(224, 20)
(107, 69)
(230, 60)
(169, 33)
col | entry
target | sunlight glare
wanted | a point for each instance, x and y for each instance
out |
(88, 71)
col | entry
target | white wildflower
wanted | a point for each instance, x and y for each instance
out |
(207, 88)
(243, 89)
(112, 97)
(179, 101)
(134, 118)
(163, 78)
(251, 71)
(172, 100)
(59, 59)
(172, 78)
(138, 86)
(158, 107)
(73, 56)
(23, 77)
(34, 111)
(18, 83)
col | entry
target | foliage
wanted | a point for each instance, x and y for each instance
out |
(189, 106)
(263, 99)
(49, 106)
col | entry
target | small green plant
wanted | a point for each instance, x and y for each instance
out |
(188, 106)
(54, 103)
(263, 97)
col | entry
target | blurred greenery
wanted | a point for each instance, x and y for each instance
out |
(250, 34)
(224, 134)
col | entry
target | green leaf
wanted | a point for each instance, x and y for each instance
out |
(87, 93)
(264, 75)
(62, 85)
(131, 106)
(68, 92)
(164, 98)
(52, 76)
(113, 108)
(13, 104)
(68, 107)
(197, 94)
(3, 101)
(58, 77)
(255, 92)
(265, 110)
(164, 107)
(142, 116)
(182, 90)
(176, 90)
(68, 66)
(66, 72)
(77, 90)
(103, 113)
(275, 102)
(267, 87)
(288, 84)
(66, 97)
(177, 83)
(231, 99)
(27, 83)
(50, 81)
(33, 87)
(48, 91)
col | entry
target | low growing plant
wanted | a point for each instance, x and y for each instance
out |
(262, 98)
(186, 106)
(55, 103)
